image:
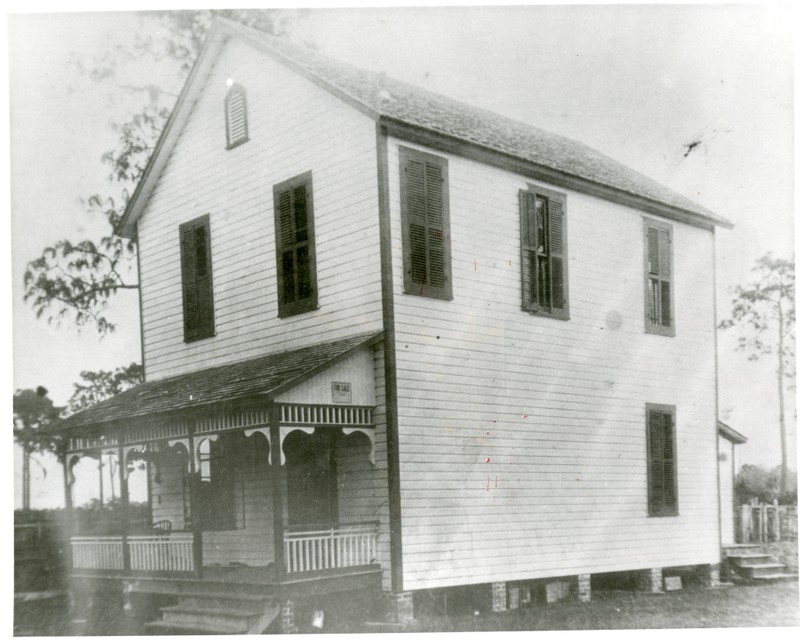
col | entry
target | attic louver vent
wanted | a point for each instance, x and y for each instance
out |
(236, 116)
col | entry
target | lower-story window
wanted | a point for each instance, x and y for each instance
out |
(662, 473)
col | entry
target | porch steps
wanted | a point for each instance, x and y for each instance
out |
(207, 612)
(747, 563)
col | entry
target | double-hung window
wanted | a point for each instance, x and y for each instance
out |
(658, 289)
(544, 252)
(424, 206)
(296, 253)
(662, 472)
(198, 289)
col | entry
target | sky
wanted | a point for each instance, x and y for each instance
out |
(638, 83)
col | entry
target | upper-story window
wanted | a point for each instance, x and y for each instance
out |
(198, 289)
(236, 116)
(659, 294)
(425, 216)
(296, 251)
(544, 252)
(662, 464)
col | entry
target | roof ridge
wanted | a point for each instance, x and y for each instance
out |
(613, 173)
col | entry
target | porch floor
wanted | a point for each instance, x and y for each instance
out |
(262, 580)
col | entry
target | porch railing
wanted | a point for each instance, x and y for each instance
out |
(159, 553)
(147, 552)
(97, 552)
(335, 548)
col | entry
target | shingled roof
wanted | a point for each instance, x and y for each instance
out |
(419, 107)
(384, 98)
(263, 377)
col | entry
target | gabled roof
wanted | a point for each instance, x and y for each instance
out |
(730, 433)
(384, 99)
(263, 378)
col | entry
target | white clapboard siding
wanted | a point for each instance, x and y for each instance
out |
(358, 484)
(381, 467)
(355, 369)
(294, 127)
(726, 490)
(168, 492)
(522, 438)
(252, 542)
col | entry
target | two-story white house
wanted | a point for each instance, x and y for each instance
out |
(394, 342)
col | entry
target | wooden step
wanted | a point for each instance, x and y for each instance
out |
(161, 628)
(761, 570)
(750, 559)
(216, 612)
(222, 620)
(221, 600)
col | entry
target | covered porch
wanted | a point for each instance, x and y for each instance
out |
(268, 487)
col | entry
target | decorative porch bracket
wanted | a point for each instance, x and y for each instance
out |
(198, 443)
(370, 433)
(70, 461)
(285, 431)
(264, 431)
(127, 450)
(186, 444)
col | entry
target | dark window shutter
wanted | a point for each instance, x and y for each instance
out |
(236, 116)
(658, 278)
(196, 277)
(527, 203)
(557, 252)
(294, 237)
(662, 469)
(543, 259)
(426, 243)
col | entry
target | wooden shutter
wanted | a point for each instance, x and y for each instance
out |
(556, 210)
(544, 271)
(236, 116)
(426, 242)
(296, 253)
(196, 277)
(527, 204)
(659, 316)
(662, 468)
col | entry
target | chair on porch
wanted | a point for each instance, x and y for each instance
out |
(162, 527)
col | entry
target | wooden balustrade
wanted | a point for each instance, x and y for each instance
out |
(160, 553)
(96, 552)
(173, 553)
(335, 548)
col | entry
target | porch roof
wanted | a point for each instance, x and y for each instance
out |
(730, 433)
(263, 377)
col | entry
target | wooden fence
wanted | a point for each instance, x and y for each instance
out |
(765, 523)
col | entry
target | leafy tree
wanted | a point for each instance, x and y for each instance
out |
(99, 385)
(76, 280)
(34, 417)
(764, 313)
(754, 482)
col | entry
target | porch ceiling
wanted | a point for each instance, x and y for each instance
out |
(263, 377)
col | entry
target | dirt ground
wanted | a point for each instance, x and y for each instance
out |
(764, 605)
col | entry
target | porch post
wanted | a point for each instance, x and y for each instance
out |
(123, 499)
(197, 533)
(278, 474)
(68, 520)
